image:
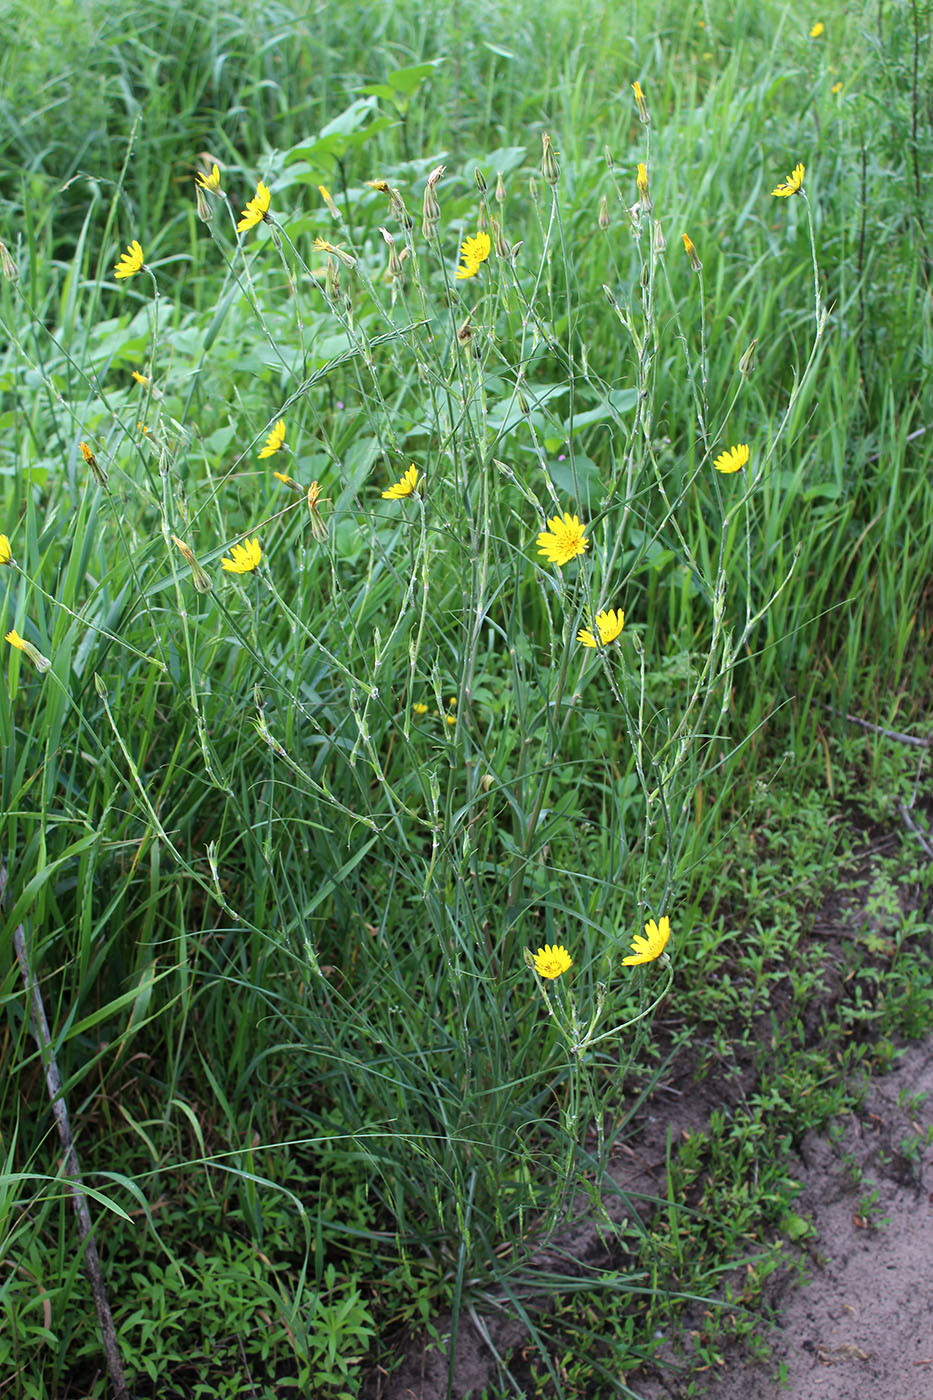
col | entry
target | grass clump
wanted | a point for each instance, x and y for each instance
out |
(420, 530)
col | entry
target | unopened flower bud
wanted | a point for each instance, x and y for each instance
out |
(641, 181)
(502, 248)
(604, 213)
(747, 362)
(482, 218)
(609, 160)
(659, 242)
(399, 210)
(7, 265)
(480, 179)
(318, 528)
(41, 663)
(328, 200)
(500, 190)
(692, 254)
(332, 280)
(549, 167)
(430, 210)
(97, 471)
(198, 577)
(203, 206)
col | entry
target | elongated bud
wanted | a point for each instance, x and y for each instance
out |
(500, 190)
(322, 246)
(198, 577)
(640, 103)
(395, 267)
(641, 181)
(326, 196)
(430, 208)
(549, 167)
(480, 179)
(203, 206)
(658, 242)
(399, 210)
(7, 265)
(503, 250)
(523, 404)
(604, 213)
(692, 254)
(609, 159)
(482, 218)
(533, 188)
(747, 362)
(332, 279)
(41, 663)
(318, 528)
(97, 471)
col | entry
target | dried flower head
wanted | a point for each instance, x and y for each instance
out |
(41, 663)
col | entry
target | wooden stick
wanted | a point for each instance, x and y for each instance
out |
(53, 1080)
(877, 729)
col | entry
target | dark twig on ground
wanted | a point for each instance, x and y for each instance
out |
(877, 729)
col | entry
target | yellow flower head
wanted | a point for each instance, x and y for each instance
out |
(640, 102)
(731, 461)
(256, 210)
(6, 553)
(610, 626)
(837, 88)
(244, 558)
(140, 378)
(131, 262)
(275, 440)
(793, 184)
(641, 180)
(381, 185)
(650, 946)
(473, 253)
(211, 182)
(328, 200)
(691, 250)
(563, 540)
(420, 708)
(817, 29)
(290, 482)
(552, 960)
(404, 487)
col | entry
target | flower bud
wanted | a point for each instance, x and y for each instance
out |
(690, 250)
(500, 190)
(97, 471)
(41, 663)
(198, 577)
(549, 167)
(7, 265)
(480, 179)
(640, 103)
(203, 206)
(747, 362)
(604, 213)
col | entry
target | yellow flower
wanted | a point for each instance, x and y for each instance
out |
(290, 482)
(211, 182)
(552, 960)
(41, 663)
(793, 184)
(640, 102)
(610, 626)
(450, 719)
(817, 29)
(650, 946)
(691, 251)
(381, 185)
(837, 88)
(419, 708)
(275, 440)
(256, 210)
(6, 553)
(473, 253)
(641, 180)
(732, 460)
(140, 378)
(562, 540)
(97, 470)
(131, 262)
(404, 487)
(244, 558)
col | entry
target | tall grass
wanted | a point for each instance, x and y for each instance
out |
(279, 845)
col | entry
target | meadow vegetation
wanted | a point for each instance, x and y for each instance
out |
(299, 770)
